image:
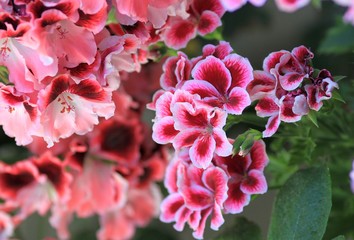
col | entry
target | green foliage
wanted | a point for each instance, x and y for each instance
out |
(302, 206)
(338, 40)
(244, 142)
(242, 229)
(4, 74)
(341, 237)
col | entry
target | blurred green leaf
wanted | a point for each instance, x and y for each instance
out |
(313, 118)
(338, 40)
(302, 206)
(339, 238)
(242, 229)
(338, 78)
(336, 95)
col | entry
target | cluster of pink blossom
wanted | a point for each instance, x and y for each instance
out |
(290, 6)
(204, 178)
(106, 172)
(288, 87)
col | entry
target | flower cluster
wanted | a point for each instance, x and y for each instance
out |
(288, 87)
(106, 172)
(204, 178)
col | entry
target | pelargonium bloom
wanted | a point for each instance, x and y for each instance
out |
(199, 194)
(246, 176)
(69, 108)
(291, 5)
(232, 5)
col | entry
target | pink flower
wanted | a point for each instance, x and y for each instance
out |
(291, 5)
(18, 116)
(155, 11)
(246, 176)
(232, 5)
(222, 83)
(204, 18)
(320, 89)
(69, 108)
(351, 175)
(200, 193)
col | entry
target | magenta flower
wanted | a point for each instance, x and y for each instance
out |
(200, 194)
(246, 176)
(69, 108)
(222, 83)
(201, 130)
(351, 175)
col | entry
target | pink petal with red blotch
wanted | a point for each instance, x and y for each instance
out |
(179, 33)
(240, 69)
(199, 231)
(194, 219)
(291, 5)
(213, 5)
(203, 88)
(202, 151)
(237, 101)
(94, 21)
(258, 156)
(109, 221)
(232, 5)
(216, 218)
(214, 71)
(168, 79)
(186, 138)
(262, 85)
(301, 106)
(92, 7)
(218, 118)
(272, 59)
(170, 180)
(182, 96)
(220, 51)
(183, 68)
(223, 147)
(155, 97)
(254, 183)
(186, 116)
(215, 179)
(55, 171)
(135, 9)
(15, 177)
(291, 81)
(182, 217)
(236, 199)
(267, 107)
(197, 198)
(272, 126)
(18, 117)
(303, 54)
(312, 99)
(69, 42)
(286, 110)
(208, 22)
(164, 131)
(163, 104)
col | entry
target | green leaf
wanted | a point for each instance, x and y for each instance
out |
(216, 35)
(244, 142)
(4, 74)
(338, 40)
(242, 229)
(302, 206)
(341, 237)
(338, 78)
(111, 16)
(336, 95)
(312, 116)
